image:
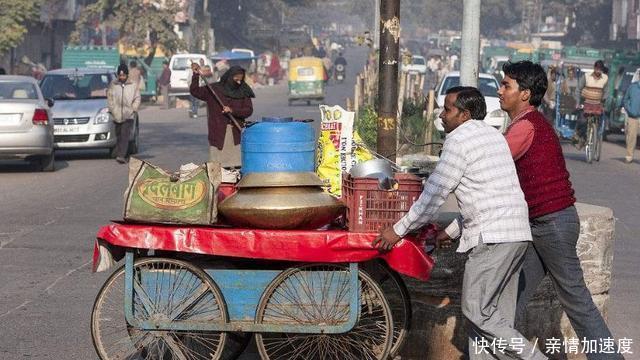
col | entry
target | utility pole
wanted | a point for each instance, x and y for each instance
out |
(388, 77)
(376, 26)
(470, 43)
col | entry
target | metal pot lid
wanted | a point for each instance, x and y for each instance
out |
(279, 179)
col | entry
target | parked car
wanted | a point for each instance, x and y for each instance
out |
(26, 131)
(180, 65)
(81, 116)
(488, 86)
(418, 65)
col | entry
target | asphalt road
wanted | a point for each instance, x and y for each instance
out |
(48, 223)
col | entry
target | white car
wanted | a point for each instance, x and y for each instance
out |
(180, 66)
(488, 86)
(418, 65)
(26, 129)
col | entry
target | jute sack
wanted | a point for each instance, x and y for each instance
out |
(186, 197)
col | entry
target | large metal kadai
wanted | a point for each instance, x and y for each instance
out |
(280, 201)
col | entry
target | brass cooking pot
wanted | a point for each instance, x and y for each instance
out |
(296, 207)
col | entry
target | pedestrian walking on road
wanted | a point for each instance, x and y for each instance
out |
(555, 225)
(164, 81)
(477, 167)
(631, 104)
(235, 94)
(135, 75)
(193, 109)
(123, 99)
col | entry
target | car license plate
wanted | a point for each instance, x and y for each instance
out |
(10, 119)
(65, 129)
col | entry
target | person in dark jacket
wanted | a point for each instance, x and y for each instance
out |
(235, 94)
(164, 81)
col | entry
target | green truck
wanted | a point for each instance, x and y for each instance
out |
(107, 57)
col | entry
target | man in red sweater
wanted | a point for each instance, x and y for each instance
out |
(555, 225)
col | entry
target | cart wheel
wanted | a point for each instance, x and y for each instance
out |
(397, 295)
(172, 288)
(319, 294)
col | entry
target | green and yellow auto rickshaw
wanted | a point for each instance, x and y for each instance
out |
(307, 76)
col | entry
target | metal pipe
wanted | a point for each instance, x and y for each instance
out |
(388, 78)
(470, 43)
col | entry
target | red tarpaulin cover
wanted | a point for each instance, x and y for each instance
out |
(407, 257)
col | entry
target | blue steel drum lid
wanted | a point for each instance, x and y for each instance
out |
(270, 132)
(277, 119)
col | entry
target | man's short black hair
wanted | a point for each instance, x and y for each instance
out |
(133, 64)
(599, 65)
(469, 99)
(529, 76)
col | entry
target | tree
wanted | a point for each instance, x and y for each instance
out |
(14, 18)
(140, 24)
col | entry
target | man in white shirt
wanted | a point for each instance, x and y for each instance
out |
(476, 165)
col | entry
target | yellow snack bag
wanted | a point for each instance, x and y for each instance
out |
(337, 147)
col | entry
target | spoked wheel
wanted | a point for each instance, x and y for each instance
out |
(319, 295)
(590, 147)
(598, 147)
(164, 289)
(397, 295)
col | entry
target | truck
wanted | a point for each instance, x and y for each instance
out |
(109, 57)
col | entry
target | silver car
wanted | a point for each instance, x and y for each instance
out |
(81, 116)
(26, 131)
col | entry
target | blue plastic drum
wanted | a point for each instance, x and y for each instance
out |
(278, 145)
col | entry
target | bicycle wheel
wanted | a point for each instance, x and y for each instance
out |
(319, 294)
(163, 289)
(399, 300)
(590, 145)
(599, 138)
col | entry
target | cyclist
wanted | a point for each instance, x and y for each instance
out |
(592, 93)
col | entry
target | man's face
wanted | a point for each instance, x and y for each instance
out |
(122, 77)
(597, 72)
(510, 95)
(237, 78)
(451, 116)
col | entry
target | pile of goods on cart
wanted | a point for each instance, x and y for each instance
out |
(283, 256)
(283, 183)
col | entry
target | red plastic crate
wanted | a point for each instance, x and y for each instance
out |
(369, 209)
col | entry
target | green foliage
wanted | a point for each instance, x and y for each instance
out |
(367, 126)
(138, 22)
(14, 18)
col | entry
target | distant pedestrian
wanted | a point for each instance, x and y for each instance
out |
(235, 94)
(164, 81)
(135, 75)
(193, 109)
(274, 68)
(123, 98)
(631, 104)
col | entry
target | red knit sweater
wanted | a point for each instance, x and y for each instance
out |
(542, 171)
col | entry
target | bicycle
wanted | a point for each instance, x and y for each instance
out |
(594, 137)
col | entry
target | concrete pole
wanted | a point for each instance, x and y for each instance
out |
(388, 77)
(470, 43)
(376, 26)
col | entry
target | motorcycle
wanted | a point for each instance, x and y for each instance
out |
(339, 73)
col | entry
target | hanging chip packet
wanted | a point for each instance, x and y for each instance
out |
(188, 196)
(338, 148)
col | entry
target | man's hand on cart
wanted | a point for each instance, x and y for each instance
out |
(386, 239)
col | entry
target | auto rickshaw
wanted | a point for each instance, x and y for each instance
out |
(307, 76)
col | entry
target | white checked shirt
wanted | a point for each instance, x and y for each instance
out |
(475, 165)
